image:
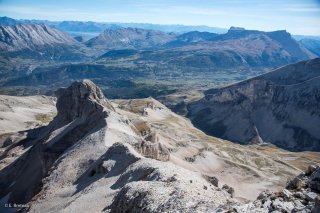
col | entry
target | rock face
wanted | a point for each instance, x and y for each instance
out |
(31, 36)
(280, 107)
(81, 100)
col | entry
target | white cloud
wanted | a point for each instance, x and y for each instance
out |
(302, 9)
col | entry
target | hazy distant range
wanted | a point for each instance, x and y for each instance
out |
(90, 29)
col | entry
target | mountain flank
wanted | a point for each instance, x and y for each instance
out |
(123, 38)
(280, 107)
(21, 36)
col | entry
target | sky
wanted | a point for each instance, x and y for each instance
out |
(300, 17)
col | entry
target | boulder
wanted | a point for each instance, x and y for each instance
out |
(296, 183)
(228, 189)
(286, 194)
(213, 180)
(311, 196)
(311, 169)
(282, 206)
(263, 195)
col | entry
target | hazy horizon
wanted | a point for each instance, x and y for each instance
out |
(296, 16)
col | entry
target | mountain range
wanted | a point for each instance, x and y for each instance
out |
(80, 27)
(37, 59)
(242, 46)
(89, 29)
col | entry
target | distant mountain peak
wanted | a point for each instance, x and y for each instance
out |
(7, 21)
(29, 36)
(129, 38)
(232, 28)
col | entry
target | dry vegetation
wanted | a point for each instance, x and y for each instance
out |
(44, 118)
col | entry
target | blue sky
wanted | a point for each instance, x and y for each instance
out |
(296, 16)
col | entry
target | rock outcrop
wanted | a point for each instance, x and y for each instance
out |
(81, 100)
(302, 197)
(153, 150)
(280, 107)
(213, 180)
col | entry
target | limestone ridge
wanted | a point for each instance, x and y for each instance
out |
(82, 111)
(31, 36)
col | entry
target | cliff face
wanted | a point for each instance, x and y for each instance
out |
(280, 107)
